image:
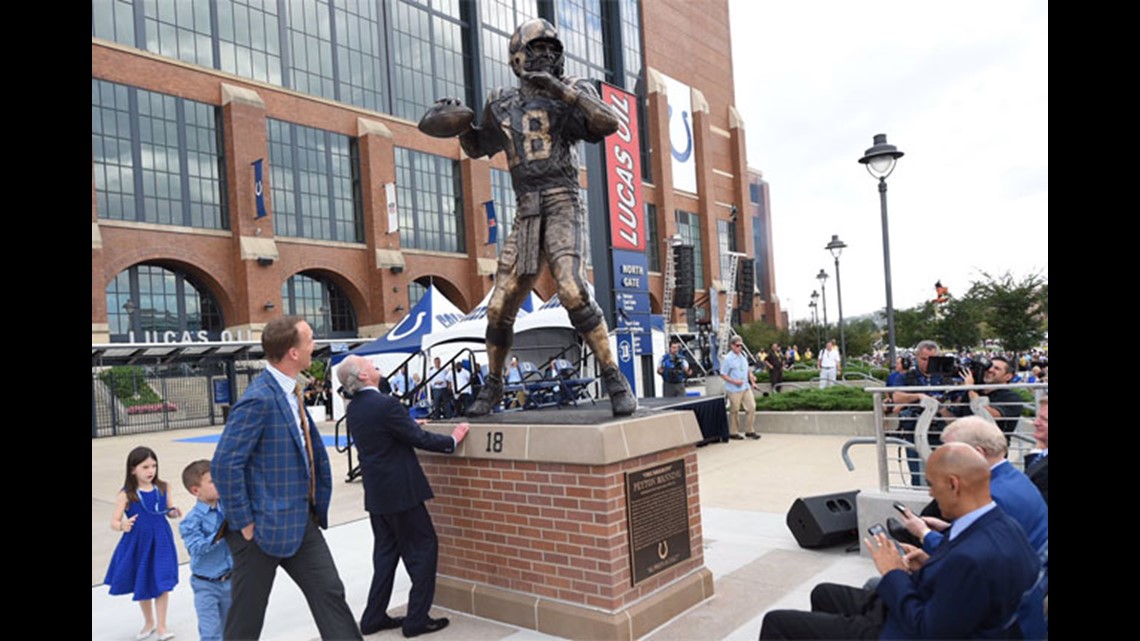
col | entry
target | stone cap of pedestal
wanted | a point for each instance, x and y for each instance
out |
(601, 443)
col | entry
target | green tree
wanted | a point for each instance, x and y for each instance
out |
(860, 336)
(806, 336)
(959, 326)
(761, 335)
(914, 325)
(1014, 308)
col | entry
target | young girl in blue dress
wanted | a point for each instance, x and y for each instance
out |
(145, 562)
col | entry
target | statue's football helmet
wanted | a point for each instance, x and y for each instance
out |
(524, 58)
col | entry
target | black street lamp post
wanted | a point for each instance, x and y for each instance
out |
(815, 319)
(836, 248)
(880, 161)
(822, 277)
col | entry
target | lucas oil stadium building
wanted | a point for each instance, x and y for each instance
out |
(258, 157)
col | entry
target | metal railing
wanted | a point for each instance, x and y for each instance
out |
(152, 398)
(906, 434)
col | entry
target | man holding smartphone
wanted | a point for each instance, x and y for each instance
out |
(970, 589)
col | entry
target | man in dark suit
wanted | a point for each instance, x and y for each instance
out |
(1037, 466)
(1013, 492)
(969, 587)
(272, 463)
(395, 489)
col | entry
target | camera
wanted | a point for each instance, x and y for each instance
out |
(978, 368)
(942, 366)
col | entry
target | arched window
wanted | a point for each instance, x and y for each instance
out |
(145, 303)
(321, 303)
(416, 291)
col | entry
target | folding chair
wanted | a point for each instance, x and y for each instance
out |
(576, 387)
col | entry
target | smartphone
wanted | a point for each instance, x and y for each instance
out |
(901, 508)
(878, 529)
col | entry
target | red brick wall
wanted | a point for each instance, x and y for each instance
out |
(550, 529)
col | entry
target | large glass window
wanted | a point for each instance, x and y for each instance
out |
(313, 173)
(726, 242)
(309, 34)
(580, 28)
(359, 54)
(631, 44)
(429, 60)
(689, 226)
(249, 39)
(505, 204)
(113, 20)
(146, 301)
(179, 30)
(428, 194)
(416, 292)
(157, 158)
(500, 18)
(652, 238)
(321, 303)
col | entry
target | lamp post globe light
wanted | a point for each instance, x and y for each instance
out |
(822, 277)
(880, 161)
(836, 247)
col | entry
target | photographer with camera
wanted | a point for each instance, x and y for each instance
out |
(674, 369)
(907, 403)
(1005, 404)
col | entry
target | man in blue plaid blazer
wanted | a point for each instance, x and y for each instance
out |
(276, 502)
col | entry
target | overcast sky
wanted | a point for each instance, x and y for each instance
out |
(961, 88)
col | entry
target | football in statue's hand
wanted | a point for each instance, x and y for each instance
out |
(446, 118)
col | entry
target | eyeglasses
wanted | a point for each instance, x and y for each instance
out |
(737, 345)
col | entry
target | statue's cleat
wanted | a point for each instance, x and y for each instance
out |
(488, 398)
(622, 399)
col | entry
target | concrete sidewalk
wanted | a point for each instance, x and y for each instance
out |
(746, 490)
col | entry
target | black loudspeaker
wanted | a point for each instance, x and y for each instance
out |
(746, 282)
(683, 284)
(824, 520)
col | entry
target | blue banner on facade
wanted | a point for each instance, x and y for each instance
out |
(492, 223)
(259, 195)
(631, 271)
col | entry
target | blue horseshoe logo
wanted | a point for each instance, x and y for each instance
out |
(396, 335)
(682, 156)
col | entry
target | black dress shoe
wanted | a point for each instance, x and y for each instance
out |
(736, 437)
(899, 533)
(753, 435)
(433, 625)
(391, 624)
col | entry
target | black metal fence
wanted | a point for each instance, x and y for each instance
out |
(137, 399)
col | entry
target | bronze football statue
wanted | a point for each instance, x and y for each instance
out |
(538, 126)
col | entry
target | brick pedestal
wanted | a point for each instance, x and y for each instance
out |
(533, 529)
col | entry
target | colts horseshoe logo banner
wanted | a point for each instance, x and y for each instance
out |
(681, 135)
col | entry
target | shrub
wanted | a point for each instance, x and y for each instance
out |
(837, 398)
(128, 384)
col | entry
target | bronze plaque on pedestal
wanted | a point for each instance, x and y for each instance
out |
(657, 509)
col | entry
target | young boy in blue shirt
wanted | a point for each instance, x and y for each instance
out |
(210, 562)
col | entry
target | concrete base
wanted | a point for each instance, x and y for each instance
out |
(833, 423)
(533, 523)
(570, 620)
(874, 506)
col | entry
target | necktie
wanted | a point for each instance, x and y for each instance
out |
(308, 443)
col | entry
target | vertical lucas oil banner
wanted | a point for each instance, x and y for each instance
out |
(622, 156)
